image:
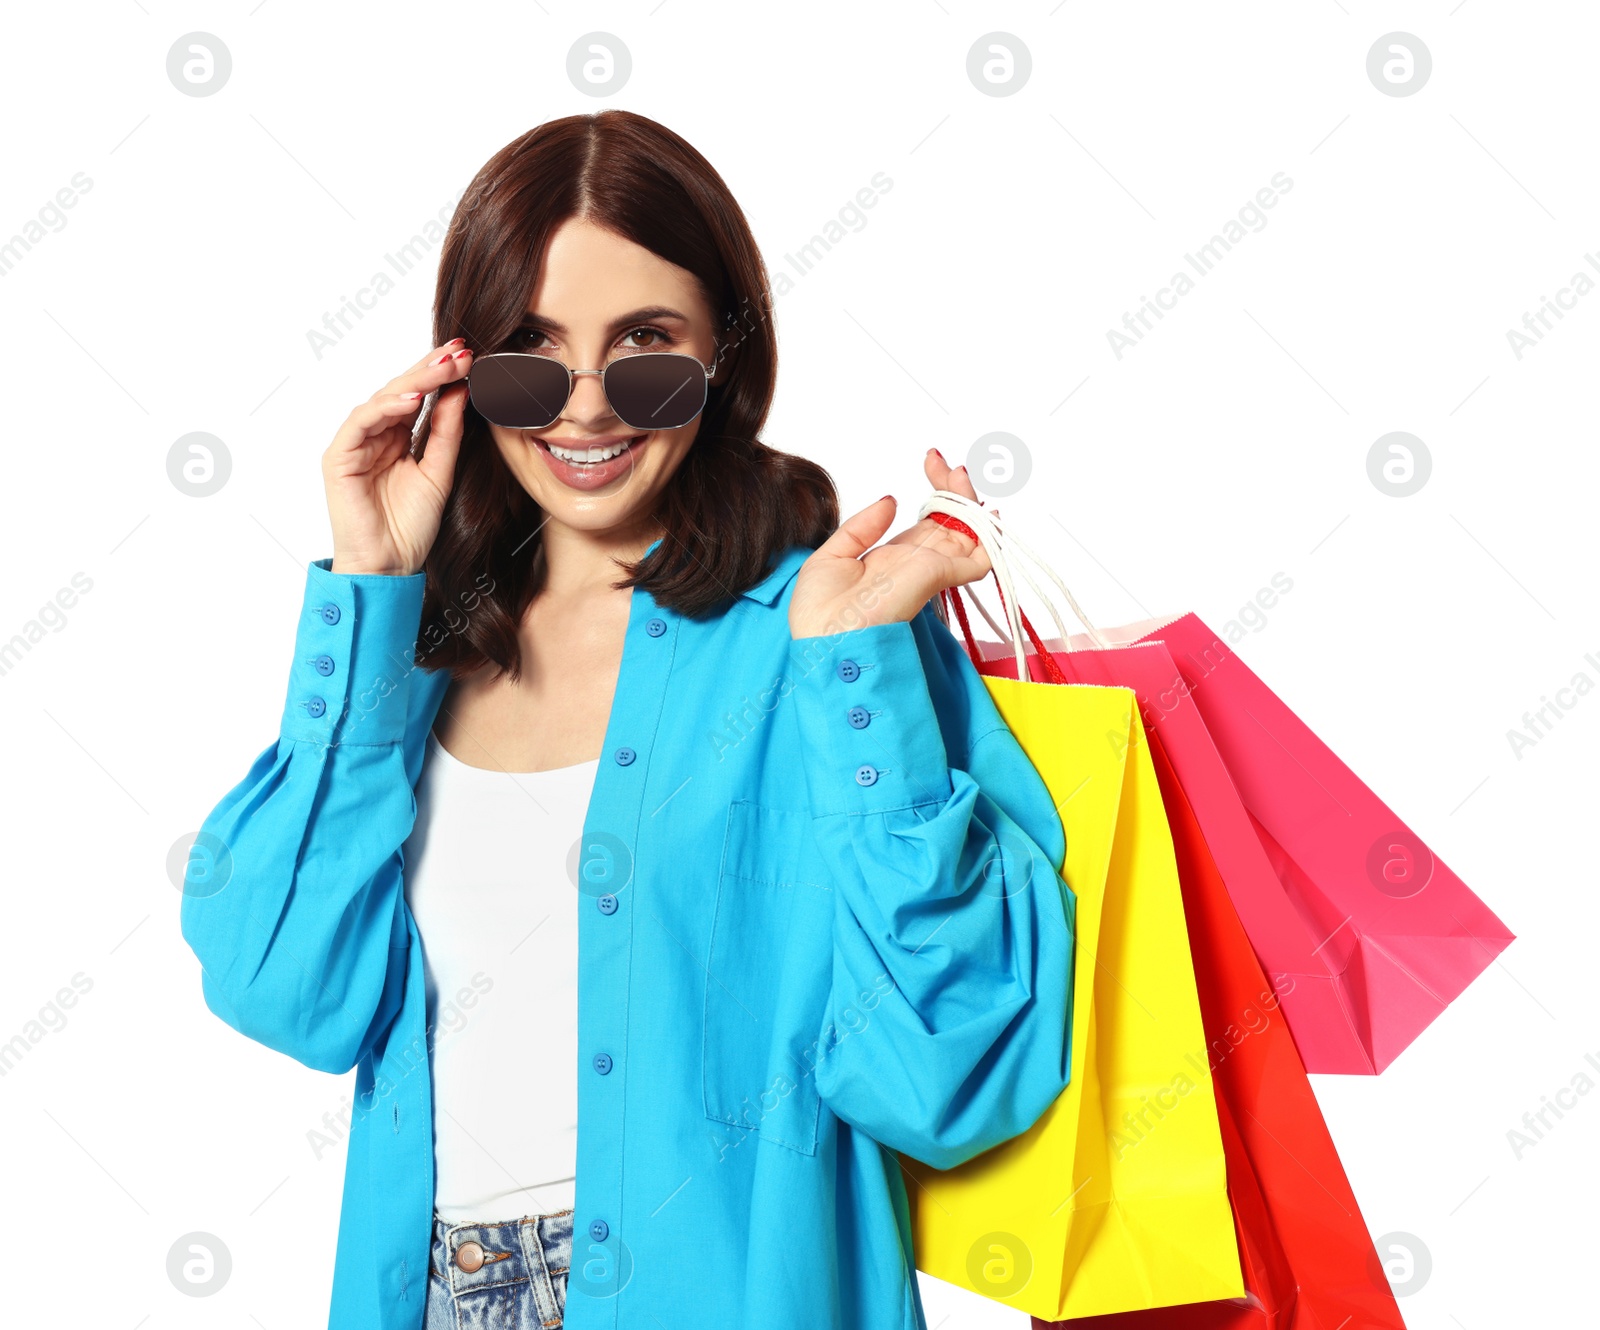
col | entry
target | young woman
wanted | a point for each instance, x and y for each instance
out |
(654, 912)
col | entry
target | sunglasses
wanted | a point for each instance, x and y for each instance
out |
(651, 390)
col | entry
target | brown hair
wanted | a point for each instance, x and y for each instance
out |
(732, 506)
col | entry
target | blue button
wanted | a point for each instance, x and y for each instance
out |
(655, 627)
(599, 1229)
(848, 670)
(860, 717)
(866, 775)
(607, 903)
(330, 613)
(324, 665)
(602, 1063)
(315, 707)
(624, 756)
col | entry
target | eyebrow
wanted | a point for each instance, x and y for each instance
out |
(644, 315)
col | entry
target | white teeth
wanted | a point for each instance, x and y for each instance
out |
(589, 454)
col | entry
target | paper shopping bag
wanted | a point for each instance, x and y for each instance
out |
(1361, 926)
(1117, 1197)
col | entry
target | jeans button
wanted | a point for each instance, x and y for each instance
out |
(469, 1257)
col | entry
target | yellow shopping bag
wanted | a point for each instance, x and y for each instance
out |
(1116, 1199)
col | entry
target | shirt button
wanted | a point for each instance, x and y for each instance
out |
(602, 1063)
(624, 756)
(330, 613)
(607, 903)
(848, 670)
(469, 1257)
(866, 775)
(324, 665)
(655, 627)
(599, 1229)
(859, 717)
(315, 707)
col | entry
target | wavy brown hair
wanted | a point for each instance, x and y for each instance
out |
(732, 506)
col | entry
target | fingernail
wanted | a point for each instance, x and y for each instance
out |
(457, 341)
(412, 396)
(441, 359)
(886, 496)
(462, 355)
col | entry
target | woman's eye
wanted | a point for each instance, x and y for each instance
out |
(651, 339)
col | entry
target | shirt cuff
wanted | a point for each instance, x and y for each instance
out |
(868, 727)
(354, 657)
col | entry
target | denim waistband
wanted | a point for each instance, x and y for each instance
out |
(533, 1249)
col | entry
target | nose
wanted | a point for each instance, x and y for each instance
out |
(588, 408)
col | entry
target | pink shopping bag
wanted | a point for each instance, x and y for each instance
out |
(1362, 927)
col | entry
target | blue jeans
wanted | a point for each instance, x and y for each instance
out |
(504, 1276)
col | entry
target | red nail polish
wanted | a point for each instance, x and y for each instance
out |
(886, 496)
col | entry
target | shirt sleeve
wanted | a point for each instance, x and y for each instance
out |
(951, 916)
(292, 897)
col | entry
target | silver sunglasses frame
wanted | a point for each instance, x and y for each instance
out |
(573, 374)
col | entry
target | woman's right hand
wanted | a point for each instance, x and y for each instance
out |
(385, 504)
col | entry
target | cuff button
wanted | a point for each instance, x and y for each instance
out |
(315, 708)
(330, 613)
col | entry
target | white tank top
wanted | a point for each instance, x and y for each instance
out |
(487, 880)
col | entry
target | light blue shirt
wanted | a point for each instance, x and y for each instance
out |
(822, 921)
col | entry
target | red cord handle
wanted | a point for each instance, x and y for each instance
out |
(1052, 671)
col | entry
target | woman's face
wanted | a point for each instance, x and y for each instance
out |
(598, 297)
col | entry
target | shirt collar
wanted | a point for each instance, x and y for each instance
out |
(770, 587)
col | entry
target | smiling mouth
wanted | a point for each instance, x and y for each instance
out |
(590, 456)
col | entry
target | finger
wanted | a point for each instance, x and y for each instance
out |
(438, 460)
(861, 531)
(445, 367)
(937, 469)
(365, 427)
(449, 348)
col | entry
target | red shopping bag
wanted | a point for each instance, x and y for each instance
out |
(1307, 1258)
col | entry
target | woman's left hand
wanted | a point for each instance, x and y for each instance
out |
(852, 582)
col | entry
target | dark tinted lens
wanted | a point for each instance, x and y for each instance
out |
(518, 391)
(660, 390)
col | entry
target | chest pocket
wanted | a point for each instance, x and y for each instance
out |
(769, 965)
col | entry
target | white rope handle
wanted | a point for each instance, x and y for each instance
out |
(983, 525)
(1009, 541)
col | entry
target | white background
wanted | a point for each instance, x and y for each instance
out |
(1229, 445)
